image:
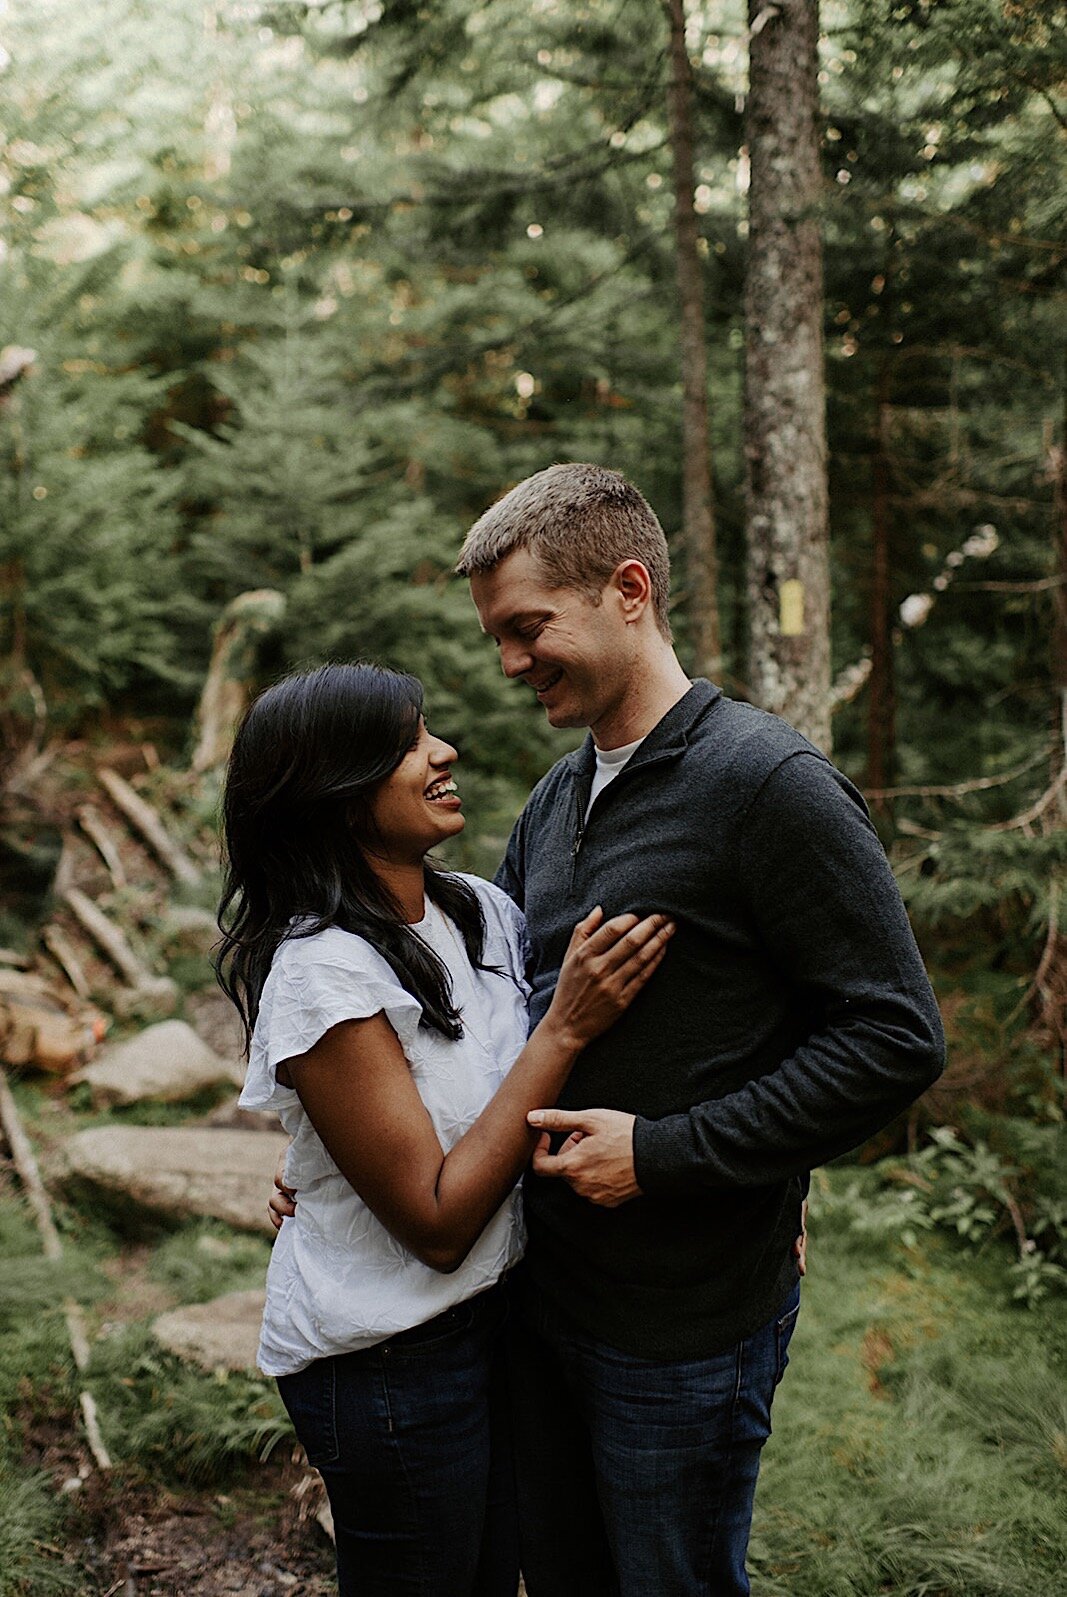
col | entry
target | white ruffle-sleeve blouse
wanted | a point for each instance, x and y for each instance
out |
(338, 1280)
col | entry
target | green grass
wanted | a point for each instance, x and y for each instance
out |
(920, 1444)
(34, 1352)
(174, 1421)
(30, 1520)
(148, 1111)
(206, 1258)
(36, 1377)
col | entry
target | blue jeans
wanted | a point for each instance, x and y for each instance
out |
(410, 1438)
(636, 1477)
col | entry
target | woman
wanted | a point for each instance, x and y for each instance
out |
(385, 1012)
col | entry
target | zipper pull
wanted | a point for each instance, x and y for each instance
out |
(575, 847)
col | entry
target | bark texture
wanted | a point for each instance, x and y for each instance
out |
(881, 716)
(785, 429)
(244, 624)
(698, 513)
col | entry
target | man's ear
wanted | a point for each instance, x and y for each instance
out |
(632, 583)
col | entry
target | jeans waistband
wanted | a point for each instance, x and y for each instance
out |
(459, 1314)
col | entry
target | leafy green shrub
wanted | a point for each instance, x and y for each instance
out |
(976, 1192)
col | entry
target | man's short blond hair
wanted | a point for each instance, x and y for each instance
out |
(580, 522)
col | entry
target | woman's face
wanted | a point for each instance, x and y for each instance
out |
(417, 806)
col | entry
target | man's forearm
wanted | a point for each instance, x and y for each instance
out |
(827, 1098)
(821, 893)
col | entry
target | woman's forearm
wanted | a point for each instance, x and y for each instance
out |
(356, 1086)
(477, 1174)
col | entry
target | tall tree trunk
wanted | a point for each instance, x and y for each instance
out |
(785, 425)
(1058, 472)
(1050, 981)
(698, 514)
(881, 717)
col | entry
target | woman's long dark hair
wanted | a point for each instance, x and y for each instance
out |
(306, 762)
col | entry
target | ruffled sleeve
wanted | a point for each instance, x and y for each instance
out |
(315, 983)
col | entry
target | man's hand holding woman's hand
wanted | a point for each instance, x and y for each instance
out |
(597, 1159)
(606, 965)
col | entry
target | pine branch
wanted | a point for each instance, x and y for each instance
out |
(1037, 809)
(978, 784)
(479, 184)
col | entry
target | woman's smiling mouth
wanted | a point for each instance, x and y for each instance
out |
(442, 792)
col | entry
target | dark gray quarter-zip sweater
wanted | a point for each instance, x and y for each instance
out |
(790, 1020)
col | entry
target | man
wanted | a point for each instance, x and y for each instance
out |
(791, 1020)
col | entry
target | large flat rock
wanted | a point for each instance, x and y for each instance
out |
(168, 1063)
(220, 1335)
(178, 1172)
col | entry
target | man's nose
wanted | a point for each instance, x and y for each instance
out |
(515, 659)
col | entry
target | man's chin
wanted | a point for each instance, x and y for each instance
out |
(562, 716)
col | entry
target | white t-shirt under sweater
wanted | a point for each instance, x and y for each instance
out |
(338, 1280)
(609, 762)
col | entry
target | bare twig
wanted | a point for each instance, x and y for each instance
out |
(1040, 986)
(95, 828)
(144, 819)
(1019, 1224)
(1038, 585)
(977, 784)
(913, 829)
(62, 951)
(111, 941)
(1036, 810)
(34, 1188)
(1048, 954)
(767, 14)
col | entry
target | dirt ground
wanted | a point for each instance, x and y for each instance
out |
(129, 1538)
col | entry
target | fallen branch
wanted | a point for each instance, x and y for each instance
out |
(143, 818)
(37, 1196)
(112, 943)
(95, 828)
(63, 952)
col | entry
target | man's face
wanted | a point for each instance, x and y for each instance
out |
(573, 653)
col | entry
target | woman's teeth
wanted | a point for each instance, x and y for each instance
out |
(441, 790)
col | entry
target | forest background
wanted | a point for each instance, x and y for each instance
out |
(307, 285)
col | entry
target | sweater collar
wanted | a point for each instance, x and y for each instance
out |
(669, 737)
